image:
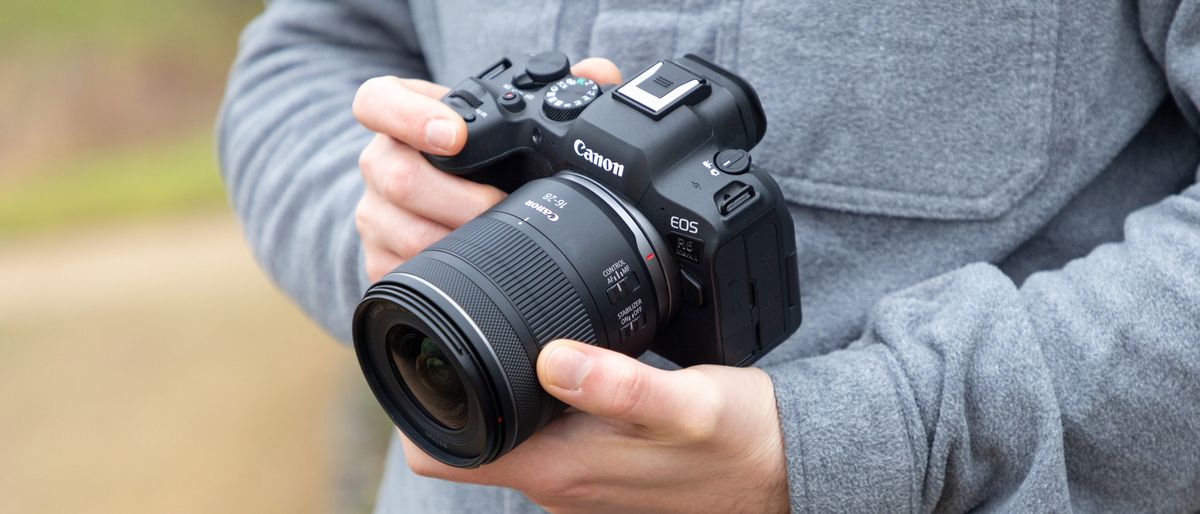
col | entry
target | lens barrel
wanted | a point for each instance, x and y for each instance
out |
(449, 340)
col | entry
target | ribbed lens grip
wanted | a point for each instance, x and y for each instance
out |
(526, 274)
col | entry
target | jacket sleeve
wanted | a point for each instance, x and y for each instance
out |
(1080, 389)
(288, 143)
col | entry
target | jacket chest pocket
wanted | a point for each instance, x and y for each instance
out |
(913, 108)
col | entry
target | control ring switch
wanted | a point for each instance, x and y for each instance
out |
(622, 288)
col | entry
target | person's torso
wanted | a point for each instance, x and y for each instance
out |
(911, 137)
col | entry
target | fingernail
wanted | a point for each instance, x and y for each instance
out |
(439, 134)
(567, 368)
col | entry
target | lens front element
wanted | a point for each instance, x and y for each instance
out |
(428, 377)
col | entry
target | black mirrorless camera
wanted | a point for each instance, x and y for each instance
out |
(639, 223)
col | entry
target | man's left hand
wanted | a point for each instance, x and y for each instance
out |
(641, 439)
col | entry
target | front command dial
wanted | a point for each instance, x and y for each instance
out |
(567, 98)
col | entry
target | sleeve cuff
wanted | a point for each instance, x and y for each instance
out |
(847, 433)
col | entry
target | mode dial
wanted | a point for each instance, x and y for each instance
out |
(567, 98)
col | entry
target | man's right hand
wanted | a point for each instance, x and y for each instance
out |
(408, 204)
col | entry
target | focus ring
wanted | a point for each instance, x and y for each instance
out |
(527, 275)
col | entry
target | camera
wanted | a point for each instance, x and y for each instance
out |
(635, 221)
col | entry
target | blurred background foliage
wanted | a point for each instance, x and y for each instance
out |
(108, 92)
(146, 364)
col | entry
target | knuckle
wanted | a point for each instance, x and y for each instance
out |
(377, 265)
(366, 162)
(419, 239)
(398, 180)
(369, 158)
(362, 215)
(491, 196)
(374, 271)
(369, 91)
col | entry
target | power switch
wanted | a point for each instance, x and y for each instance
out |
(733, 162)
(622, 288)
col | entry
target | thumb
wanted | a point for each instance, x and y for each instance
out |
(612, 385)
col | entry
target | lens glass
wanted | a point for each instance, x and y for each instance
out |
(428, 376)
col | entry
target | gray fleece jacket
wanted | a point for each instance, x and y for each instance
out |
(994, 203)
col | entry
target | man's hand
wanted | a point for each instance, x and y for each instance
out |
(702, 439)
(408, 204)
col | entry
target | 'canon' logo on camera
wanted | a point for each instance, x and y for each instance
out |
(598, 160)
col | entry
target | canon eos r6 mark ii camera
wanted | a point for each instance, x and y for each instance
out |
(639, 224)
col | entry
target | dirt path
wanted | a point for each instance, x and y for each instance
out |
(153, 368)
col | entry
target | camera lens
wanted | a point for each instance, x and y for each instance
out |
(427, 374)
(449, 340)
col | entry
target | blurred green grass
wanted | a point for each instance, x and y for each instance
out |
(123, 24)
(148, 180)
(140, 174)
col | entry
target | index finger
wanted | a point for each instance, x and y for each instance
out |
(599, 69)
(407, 111)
